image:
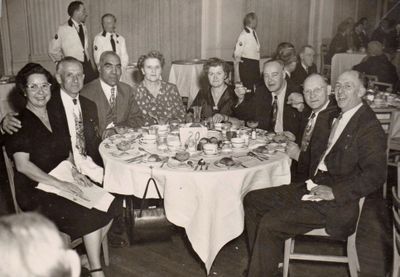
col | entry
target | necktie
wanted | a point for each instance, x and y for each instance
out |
(112, 98)
(255, 36)
(80, 138)
(274, 112)
(308, 133)
(81, 35)
(113, 43)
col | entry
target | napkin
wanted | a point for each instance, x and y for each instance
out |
(308, 197)
(92, 197)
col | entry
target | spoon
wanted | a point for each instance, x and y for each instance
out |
(202, 163)
(190, 163)
(144, 150)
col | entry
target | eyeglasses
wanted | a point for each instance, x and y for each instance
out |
(314, 91)
(346, 87)
(37, 87)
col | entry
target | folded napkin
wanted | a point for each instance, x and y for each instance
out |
(309, 197)
(88, 167)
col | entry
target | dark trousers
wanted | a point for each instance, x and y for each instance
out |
(90, 73)
(272, 215)
(249, 71)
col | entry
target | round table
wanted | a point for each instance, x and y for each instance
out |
(207, 203)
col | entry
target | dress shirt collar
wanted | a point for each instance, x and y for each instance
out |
(346, 116)
(76, 24)
(304, 66)
(67, 99)
(323, 108)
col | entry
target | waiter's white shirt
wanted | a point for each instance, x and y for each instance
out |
(102, 43)
(85, 165)
(281, 103)
(342, 124)
(66, 42)
(247, 46)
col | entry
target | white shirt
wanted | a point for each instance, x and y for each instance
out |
(66, 42)
(340, 127)
(247, 46)
(281, 103)
(85, 165)
(102, 43)
(107, 90)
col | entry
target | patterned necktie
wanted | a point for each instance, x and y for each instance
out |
(81, 35)
(308, 133)
(274, 111)
(80, 137)
(255, 36)
(112, 98)
(113, 43)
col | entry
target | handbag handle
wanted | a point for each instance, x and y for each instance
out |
(145, 194)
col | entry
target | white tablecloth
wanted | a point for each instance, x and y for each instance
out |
(187, 78)
(208, 204)
(342, 62)
(5, 105)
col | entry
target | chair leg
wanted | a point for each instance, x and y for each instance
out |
(354, 266)
(106, 252)
(288, 251)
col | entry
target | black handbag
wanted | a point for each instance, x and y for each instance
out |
(150, 222)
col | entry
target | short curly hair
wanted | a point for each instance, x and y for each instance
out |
(214, 62)
(154, 54)
(287, 56)
(21, 79)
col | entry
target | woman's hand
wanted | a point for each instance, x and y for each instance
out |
(69, 187)
(81, 179)
(218, 118)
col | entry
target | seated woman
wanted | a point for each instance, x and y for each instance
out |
(37, 148)
(30, 245)
(218, 99)
(156, 98)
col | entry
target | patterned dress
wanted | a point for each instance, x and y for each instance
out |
(167, 104)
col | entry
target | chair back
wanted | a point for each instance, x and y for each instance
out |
(10, 174)
(396, 219)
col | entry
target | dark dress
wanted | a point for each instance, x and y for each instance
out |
(209, 108)
(46, 150)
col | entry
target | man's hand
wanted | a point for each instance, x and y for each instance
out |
(293, 150)
(81, 179)
(240, 92)
(237, 59)
(108, 133)
(296, 100)
(218, 118)
(10, 123)
(322, 192)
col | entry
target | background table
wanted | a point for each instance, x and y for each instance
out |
(5, 102)
(130, 75)
(208, 204)
(342, 62)
(186, 75)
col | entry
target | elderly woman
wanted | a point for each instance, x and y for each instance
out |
(39, 147)
(218, 99)
(156, 98)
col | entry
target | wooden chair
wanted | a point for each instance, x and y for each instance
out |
(396, 233)
(351, 258)
(382, 86)
(72, 244)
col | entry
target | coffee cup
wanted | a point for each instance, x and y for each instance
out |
(237, 142)
(210, 149)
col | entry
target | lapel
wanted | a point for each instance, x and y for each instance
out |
(348, 131)
(104, 104)
(120, 102)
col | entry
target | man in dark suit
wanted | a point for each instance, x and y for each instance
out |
(316, 132)
(115, 103)
(378, 64)
(305, 67)
(339, 43)
(272, 104)
(352, 166)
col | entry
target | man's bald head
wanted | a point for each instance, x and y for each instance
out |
(274, 75)
(316, 92)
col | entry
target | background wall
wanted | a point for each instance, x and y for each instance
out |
(181, 29)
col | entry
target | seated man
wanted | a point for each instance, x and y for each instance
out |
(115, 103)
(316, 133)
(305, 67)
(352, 166)
(378, 64)
(270, 105)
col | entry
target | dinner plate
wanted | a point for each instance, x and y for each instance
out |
(218, 164)
(174, 164)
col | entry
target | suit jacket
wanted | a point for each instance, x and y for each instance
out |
(318, 142)
(338, 44)
(356, 167)
(259, 108)
(379, 66)
(127, 112)
(90, 123)
(299, 74)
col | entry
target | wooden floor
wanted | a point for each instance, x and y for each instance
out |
(176, 257)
